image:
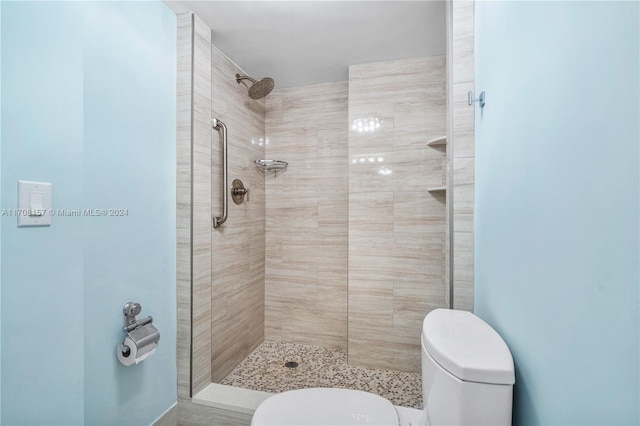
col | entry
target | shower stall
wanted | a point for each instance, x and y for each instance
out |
(343, 250)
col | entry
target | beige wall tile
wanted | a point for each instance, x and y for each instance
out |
(207, 279)
(462, 143)
(183, 199)
(315, 104)
(273, 108)
(201, 215)
(463, 121)
(462, 147)
(463, 298)
(190, 414)
(170, 418)
(463, 45)
(463, 24)
(417, 123)
(377, 298)
(238, 251)
(461, 3)
(396, 228)
(306, 216)
(201, 66)
(463, 208)
(380, 140)
(463, 256)
(464, 170)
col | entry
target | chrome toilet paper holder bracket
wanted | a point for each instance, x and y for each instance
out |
(130, 311)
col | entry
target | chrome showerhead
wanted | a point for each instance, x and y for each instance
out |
(258, 89)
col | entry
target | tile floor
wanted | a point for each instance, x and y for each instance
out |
(265, 370)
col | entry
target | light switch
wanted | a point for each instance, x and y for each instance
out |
(34, 203)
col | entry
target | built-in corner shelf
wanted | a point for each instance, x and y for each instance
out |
(438, 189)
(439, 141)
(435, 142)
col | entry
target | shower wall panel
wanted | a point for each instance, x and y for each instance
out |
(183, 203)
(193, 205)
(220, 273)
(306, 221)
(238, 250)
(396, 224)
(463, 158)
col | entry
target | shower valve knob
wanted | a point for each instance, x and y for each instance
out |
(238, 191)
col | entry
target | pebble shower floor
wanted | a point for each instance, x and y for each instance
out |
(265, 370)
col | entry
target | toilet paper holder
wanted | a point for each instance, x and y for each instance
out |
(141, 332)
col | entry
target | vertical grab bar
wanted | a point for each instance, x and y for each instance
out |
(219, 220)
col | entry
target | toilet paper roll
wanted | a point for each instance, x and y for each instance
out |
(135, 355)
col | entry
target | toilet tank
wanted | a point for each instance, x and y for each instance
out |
(467, 371)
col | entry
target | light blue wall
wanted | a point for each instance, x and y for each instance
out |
(557, 194)
(89, 105)
(129, 157)
(42, 289)
(0, 206)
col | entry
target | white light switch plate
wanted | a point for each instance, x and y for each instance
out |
(34, 204)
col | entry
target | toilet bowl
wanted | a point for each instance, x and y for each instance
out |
(467, 379)
(325, 406)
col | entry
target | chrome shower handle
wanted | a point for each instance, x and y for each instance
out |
(239, 191)
(219, 220)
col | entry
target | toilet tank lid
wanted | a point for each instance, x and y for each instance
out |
(467, 347)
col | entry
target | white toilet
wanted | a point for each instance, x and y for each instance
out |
(467, 379)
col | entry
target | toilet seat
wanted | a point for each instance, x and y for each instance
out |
(325, 406)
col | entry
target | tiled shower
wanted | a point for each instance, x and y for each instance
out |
(345, 249)
(354, 239)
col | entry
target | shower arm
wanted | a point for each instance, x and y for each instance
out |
(219, 220)
(239, 78)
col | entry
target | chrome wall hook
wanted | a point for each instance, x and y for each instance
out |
(480, 99)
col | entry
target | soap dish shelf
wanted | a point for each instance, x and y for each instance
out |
(271, 165)
(438, 189)
(439, 141)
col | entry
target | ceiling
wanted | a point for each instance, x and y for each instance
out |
(308, 42)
